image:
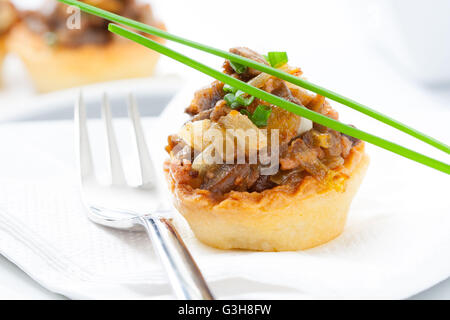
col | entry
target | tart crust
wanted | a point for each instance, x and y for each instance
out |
(278, 219)
(55, 68)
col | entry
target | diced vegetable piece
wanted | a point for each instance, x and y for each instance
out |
(323, 140)
(230, 98)
(277, 59)
(259, 80)
(286, 122)
(229, 89)
(261, 115)
(305, 125)
(204, 160)
(242, 100)
(193, 133)
(245, 112)
(244, 129)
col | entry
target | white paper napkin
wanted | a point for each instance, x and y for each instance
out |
(396, 243)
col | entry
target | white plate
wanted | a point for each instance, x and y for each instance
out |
(19, 102)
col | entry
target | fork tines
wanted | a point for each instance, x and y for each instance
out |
(84, 149)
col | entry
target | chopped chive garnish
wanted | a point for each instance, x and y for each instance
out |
(230, 98)
(245, 112)
(249, 101)
(236, 99)
(277, 59)
(261, 115)
(239, 68)
(235, 105)
(239, 93)
(242, 100)
(228, 88)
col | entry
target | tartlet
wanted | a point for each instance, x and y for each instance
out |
(278, 219)
(57, 58)
(303, 203)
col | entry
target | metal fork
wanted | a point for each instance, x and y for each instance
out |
(121, 206)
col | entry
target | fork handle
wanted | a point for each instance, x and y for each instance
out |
(184, 274)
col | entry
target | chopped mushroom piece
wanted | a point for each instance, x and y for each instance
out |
(206, 98)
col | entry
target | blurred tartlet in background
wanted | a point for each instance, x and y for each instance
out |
(8, 16)
(60, 54)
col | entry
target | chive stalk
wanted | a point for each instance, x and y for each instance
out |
(264, 68)
(275, 100)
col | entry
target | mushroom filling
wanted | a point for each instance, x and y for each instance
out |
(303, 148)
(52, 25)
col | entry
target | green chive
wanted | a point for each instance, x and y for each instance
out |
(245, 112)
(270, 98)
(267, 69)
(230, 98)
(239, 68)
(249, 101)
(277, 59)
(261, 115)
(242, 100)
(228, 88)
(235, 105)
